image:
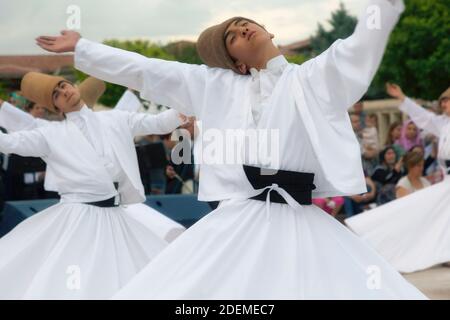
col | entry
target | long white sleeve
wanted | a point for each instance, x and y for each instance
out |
(340, 76)
(145, 124)
(14, 119)
(24, 143)
(424, 119)
(176, 85)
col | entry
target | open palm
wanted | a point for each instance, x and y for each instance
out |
(66, 42)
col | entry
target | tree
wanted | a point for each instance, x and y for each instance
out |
(3, 92)
(418, 53)
(183, 51)
(114, 92)
(297, 59)
(342, 26)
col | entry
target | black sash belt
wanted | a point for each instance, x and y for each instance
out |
(108, 203)
(447, 163)
(298, 184)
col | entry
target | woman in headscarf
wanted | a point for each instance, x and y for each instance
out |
(410, 136)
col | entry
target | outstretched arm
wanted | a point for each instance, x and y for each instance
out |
(340, 76)
(424, 119)
(177, 85)
(162, 123)
(14, 119)
(24, 143)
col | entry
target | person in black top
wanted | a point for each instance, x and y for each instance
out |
(387, 174)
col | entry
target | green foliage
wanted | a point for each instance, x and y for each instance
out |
(297, 59)
(3, 92)
(114, 92)
(183, 51)
(418, 53)
(417, 56)
(342, 25)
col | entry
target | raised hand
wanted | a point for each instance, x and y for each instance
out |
(66, 42)
(395, 91)
(399, 165)
(186, 121)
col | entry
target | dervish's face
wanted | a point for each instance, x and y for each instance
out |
(243, 39)
(66, 97)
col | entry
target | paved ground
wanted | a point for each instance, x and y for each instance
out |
(434, 282)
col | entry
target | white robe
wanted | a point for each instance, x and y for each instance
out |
(14, 119)
(249, 249)
(72, 250)
(413, 232)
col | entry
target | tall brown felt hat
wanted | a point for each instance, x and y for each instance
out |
(211, 46)
(38, 87)
(91, 89)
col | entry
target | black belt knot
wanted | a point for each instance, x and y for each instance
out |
(298, 184)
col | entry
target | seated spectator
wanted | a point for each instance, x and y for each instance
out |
(180, 173)
(430, 160)
(331, 206)
(370, 132)
(394, 134)
(387, 174)
(358, 109)
(368, 154)
(414, 180)
(410, 136)
(361, 202)
(36, 110)
(370, 143)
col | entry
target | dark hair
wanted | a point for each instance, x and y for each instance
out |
(383, 153)
(393, 125)
(29, 106)
(416, 146)
(412, 159)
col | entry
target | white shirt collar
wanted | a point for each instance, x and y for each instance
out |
(77, 114)
(273, 65)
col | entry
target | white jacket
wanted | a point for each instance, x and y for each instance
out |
(322, 89)
(72, 164)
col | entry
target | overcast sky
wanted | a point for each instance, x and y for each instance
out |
(157, 20)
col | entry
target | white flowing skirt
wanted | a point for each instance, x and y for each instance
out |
(75, 251)
(413, 232)
(240, 252)
(158, 223)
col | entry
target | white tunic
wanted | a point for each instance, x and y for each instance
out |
(91, 130)
(322, 90)
(15, 119)
(249, 249)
